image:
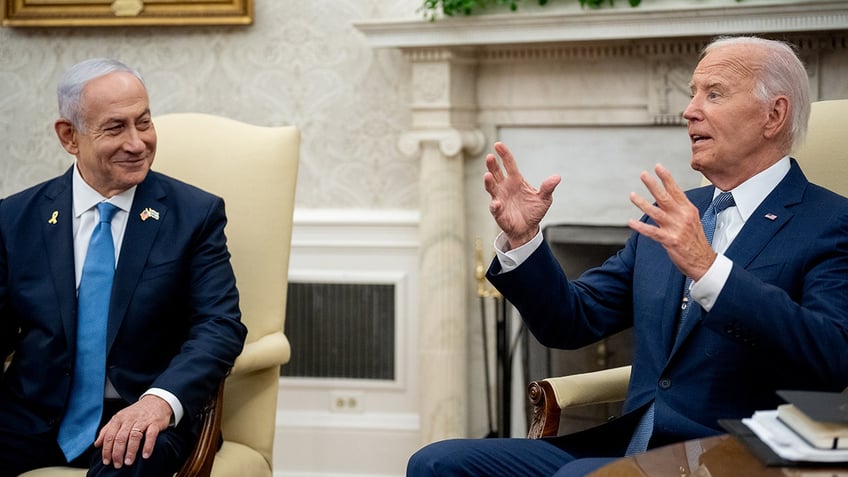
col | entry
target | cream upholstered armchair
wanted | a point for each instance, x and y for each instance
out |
(823, 158)
(254, 169)
(551, 395)
(824, 155)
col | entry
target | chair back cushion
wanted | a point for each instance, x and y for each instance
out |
(254, 169)
(824, 154)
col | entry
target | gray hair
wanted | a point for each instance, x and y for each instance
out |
(782, 73)
(71, 84)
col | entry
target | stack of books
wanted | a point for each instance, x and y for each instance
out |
(811, 428)
(819, 434)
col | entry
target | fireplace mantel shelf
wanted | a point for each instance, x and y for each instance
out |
(669, 20)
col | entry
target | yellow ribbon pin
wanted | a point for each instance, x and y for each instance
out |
(53, 217)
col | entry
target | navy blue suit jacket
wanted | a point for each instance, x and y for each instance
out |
(174, 321)
(780, 322)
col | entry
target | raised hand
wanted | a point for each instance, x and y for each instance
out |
(516, 206)
(678, 228)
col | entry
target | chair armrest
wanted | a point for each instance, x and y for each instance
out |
(199, 462)
(268, 351)
(549, 396)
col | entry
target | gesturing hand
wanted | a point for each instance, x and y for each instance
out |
(121, 437)
(678, 228)
(516, 205)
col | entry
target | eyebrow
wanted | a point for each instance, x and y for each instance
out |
(144, 113)
(120, 119)
(710, 85)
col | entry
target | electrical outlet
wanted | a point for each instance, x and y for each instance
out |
(347, 401)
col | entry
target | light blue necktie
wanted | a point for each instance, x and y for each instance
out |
(85, 405)
(643, 431)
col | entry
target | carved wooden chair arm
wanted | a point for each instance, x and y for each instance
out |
(199, 463)
(550, 396)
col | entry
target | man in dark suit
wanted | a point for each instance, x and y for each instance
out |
(762, 280)
(173, 327)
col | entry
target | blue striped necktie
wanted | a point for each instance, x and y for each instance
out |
(708, 221)
(85, 404)
(645, 427)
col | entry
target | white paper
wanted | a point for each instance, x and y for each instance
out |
(786, 443)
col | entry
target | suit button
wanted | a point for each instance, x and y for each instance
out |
(665, 383)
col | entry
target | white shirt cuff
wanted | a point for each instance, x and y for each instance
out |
(511, 259)
(706, 290)
(172, 401)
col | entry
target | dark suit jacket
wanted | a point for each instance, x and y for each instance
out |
(780, 322)
(174, 321)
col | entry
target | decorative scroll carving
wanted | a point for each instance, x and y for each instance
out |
(451, 141)
(546, 411)
(669, 90)
(430, 83)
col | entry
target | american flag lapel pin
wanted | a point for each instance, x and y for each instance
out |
(771, 216)
(149, 213)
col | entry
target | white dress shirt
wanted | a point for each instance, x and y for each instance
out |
(747, 196)
(86, 217)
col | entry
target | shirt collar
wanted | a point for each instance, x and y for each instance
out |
(749, 194)
(85, 197)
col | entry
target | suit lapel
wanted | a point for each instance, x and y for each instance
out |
(57, 217)
(771, 215)
(138, 240)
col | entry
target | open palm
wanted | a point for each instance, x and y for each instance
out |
(517, 207)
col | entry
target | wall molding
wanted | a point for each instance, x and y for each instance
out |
(375, 421)
(355, 229)
(354, 246)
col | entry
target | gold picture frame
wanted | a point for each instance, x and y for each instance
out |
(64, 13)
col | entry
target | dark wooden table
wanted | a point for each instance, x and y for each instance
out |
(719, 456)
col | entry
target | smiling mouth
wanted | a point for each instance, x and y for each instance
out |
(695, 138)
(130, 160)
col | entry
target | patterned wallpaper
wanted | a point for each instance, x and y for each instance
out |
(301, 63)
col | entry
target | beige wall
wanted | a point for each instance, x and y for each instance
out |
(300, 63)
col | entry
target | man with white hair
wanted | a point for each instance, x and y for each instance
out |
(734, 290)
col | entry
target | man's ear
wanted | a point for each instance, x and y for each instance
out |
(778, 117)
(67, 134)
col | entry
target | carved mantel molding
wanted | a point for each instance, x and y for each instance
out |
(668, 19)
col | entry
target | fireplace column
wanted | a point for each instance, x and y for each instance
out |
(443, 133)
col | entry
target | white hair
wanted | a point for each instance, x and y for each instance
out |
(71, 84)
(782, 73)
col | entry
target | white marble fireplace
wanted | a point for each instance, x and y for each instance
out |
(595, 96)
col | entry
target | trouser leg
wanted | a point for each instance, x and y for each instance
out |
(487, 457)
